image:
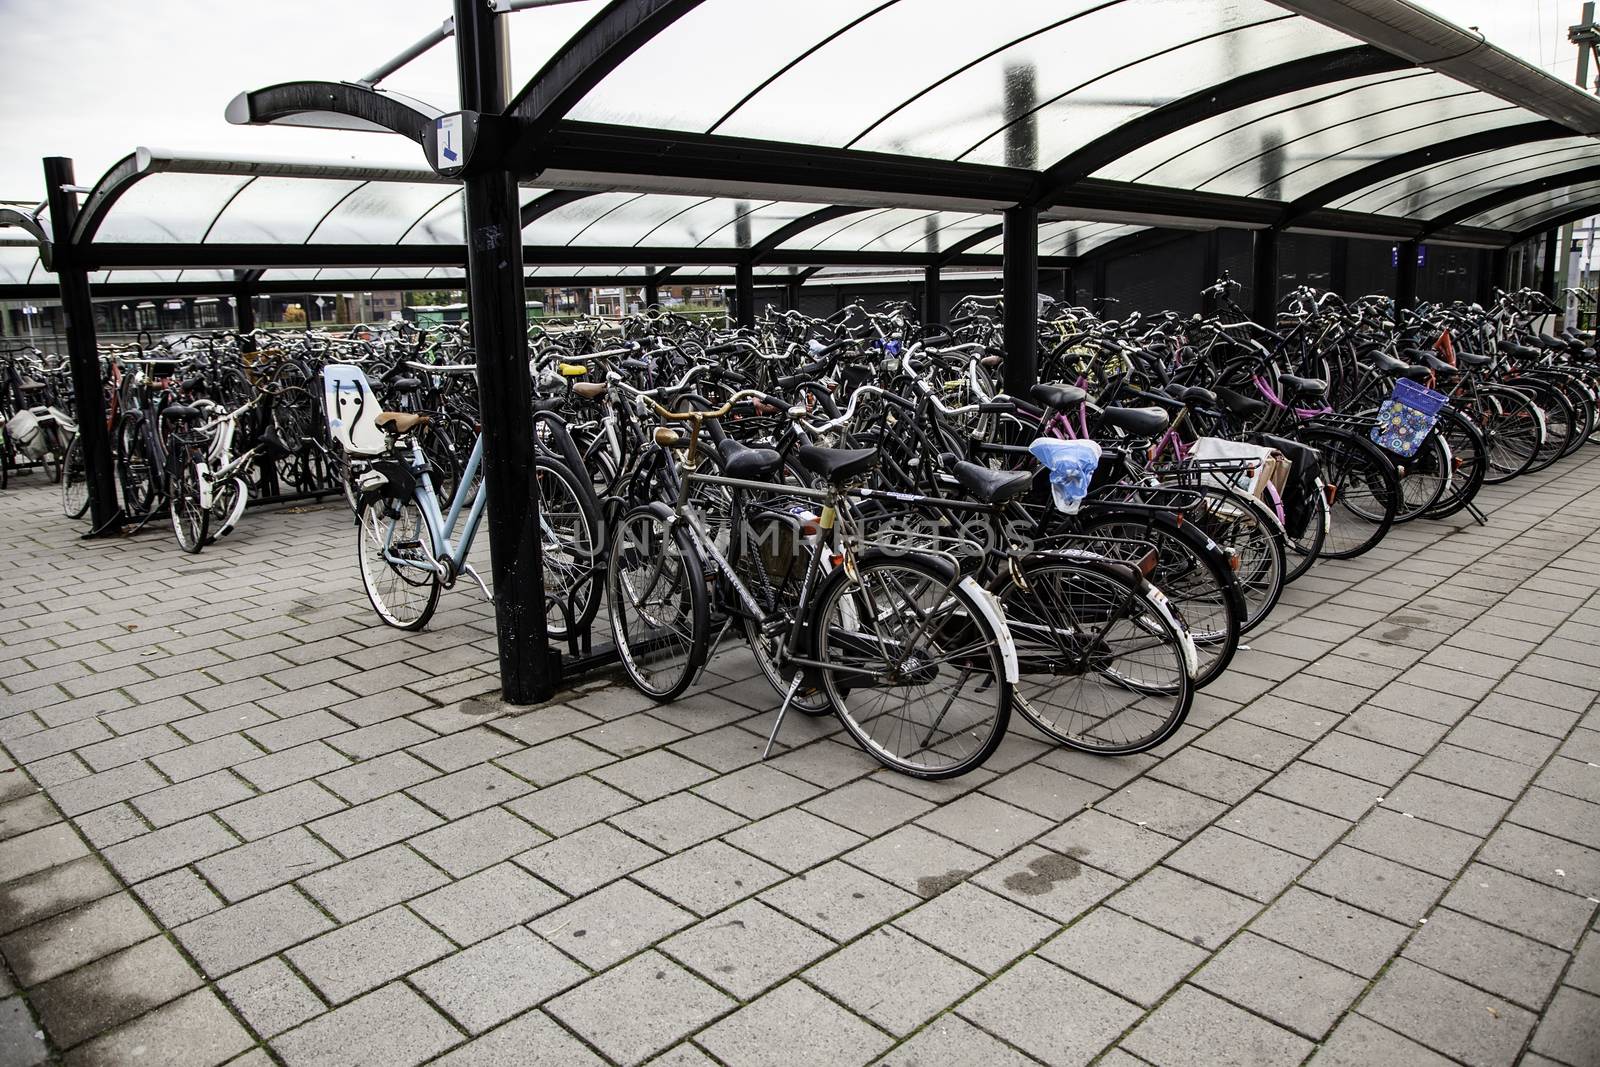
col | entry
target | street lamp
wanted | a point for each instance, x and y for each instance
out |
(28, 312)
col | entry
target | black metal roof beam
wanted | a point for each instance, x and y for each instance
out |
(1394, 166)
(1242, 91)
(1511, 193)
(337, 104)
(615, 33)
(741, 163)
(774, 240)
(1132, 202)
(1585, 208)
(551, 201)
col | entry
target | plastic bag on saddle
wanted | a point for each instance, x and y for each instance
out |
(1259, 466)
(1071, 465)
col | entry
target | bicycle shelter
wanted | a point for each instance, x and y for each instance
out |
(660, 140)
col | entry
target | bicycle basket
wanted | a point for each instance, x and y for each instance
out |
(1407, 417)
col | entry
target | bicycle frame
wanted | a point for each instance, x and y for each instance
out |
(449, 559)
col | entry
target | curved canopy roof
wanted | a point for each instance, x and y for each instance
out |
(658, 134)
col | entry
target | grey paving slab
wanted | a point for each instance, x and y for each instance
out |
(489, 883)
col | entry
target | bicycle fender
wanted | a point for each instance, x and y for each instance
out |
(997, 618)
(1191, 656)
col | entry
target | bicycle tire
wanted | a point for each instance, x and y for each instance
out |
(1513, 428)
(1252, 534)
(190, 519)
(862, 624)
(653, 566)
(1353, 466)
(75, 481)
(1304, 550)
(1066, 664)
(1468, 455)
(569, 527)
(393, 590)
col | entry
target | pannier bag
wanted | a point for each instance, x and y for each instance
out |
(1406, 418)
(25, 432)
(1267, 466)
(1071, 465)
(1300, 488)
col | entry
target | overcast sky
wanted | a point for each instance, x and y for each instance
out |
(93, 79)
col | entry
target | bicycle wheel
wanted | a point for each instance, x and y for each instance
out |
(1363, 491)
(190, 518)
(1239, 523)
(1305, 547)
(656, 592)
(914, 666)
(1468, 457)
(75, 482)
(569, 551)
(771, 561)
(1195, 576)
(1101, 663)
(1424, 478)
(136, 472)
(396, 566)
(1557, 421)
(1513, 430)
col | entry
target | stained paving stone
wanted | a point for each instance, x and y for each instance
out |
(746, 949)
(71, 939)
(498, 978)
(709, 877)
(792, 1024)
(1057, 885)
(1202, 914)
(532, 1037)
(54, 890)
(984, 823)
(271, 997)
(951, 1039)
(611, 924)
(1128, 957)
(1285, 986)
(251, 930)
(1017, 1008)
(976, 926)
(1446, 1015)
(196, 1029)
(840, 900)
(391, 1026)
(664, 1003)
(915, 859)
(372, 882)
(1194, 1026)
(112, 990)
(1111, 844)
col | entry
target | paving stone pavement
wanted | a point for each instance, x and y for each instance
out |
(239, 822)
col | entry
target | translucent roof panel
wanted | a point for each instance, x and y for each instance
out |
(645, 220)
(19, 264)
(1285, 149)
(892, 230)
(893, 76)
(1439, 187)
(1530, 210)
(379, 212)
(1066, 238)
(715, 270)
(273, 210)
(170, 208)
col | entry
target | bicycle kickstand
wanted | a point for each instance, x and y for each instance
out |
(1472, 509)
(794, 687)
(470, 569)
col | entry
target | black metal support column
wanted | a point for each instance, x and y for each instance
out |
(1067, 290)
(744, 277)
(78, 312)
(1547, 283)
(1495, 265)
(1339, 269)
(528, 666)
(932, 295)
(1264, 278)
(1020, 249)
(791, 296)
(1405, 277)
(652, 293)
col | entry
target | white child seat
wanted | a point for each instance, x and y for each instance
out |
(353, 410)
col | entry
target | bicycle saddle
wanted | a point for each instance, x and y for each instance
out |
(1438, 366)
(1472, 359)
(1058, 396)
(991, 487)
(400, 422)
(836, 464)
(742, 461)
(590, 390)
(1293, 386)
(1245, 407)
(185, 412)
(1388, 364)
(1136, 422)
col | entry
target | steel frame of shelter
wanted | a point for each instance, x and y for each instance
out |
(521, 137)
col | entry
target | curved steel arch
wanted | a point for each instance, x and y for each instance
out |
(1247, 89)
(1394, 166)
(618, 31)
(772, 241)
(25, 222)
(1589, 172)
(1583, 210)
(339, 105)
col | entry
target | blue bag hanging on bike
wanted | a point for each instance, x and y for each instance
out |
(1071, 464)
(1407, 417)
